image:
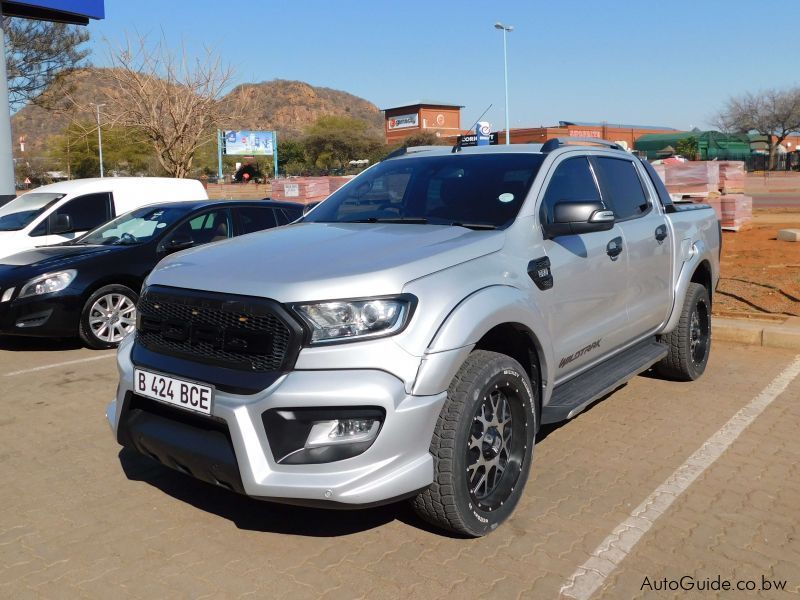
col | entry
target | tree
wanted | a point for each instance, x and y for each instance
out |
(773, 113)
(37, 52)
(124, 151)
(336, 140)
(291, 157)
(425, 138)
(174, 102)
(687, 147)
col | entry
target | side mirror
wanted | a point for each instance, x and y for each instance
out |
(60, 224)
(571, 218)
(181, 241)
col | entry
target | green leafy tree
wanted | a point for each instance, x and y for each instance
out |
(292, 157)
(37, 52)
(687, 147)
(333, 141)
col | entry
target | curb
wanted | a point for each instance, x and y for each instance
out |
(771, 334)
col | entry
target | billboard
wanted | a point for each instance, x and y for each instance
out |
(249, 143)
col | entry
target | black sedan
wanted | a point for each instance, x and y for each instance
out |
(89, 287)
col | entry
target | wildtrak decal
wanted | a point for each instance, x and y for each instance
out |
(568, 359)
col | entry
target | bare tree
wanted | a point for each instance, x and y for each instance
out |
(773, 113)
(173, 100)
(37, 52)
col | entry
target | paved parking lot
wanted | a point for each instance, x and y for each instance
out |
(80, 518)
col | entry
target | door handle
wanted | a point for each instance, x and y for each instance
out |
(614, 248)
(661, 233)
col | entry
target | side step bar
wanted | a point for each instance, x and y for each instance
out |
(573, 396)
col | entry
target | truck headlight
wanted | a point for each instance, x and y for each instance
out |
(48, 283)
(343, 320)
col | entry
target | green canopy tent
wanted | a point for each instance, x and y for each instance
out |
(710, 144)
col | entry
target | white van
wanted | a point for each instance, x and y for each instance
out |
(62, 211)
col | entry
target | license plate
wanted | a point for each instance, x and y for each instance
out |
(186, 394)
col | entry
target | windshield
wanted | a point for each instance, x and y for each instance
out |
(21, 211)
(483, 191)
(135, 227)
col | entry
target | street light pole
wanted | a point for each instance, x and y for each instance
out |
(99, 138)
(506, 29)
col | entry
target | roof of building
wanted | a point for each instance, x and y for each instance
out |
(615, 125)
(424, 103)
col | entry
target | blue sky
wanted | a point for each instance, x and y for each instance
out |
(622, 61)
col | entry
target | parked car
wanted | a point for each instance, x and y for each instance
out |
(59, 212)
(409, 336)
(89, 287)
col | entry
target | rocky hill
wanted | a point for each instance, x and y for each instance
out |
(286, 106)
(291, 106)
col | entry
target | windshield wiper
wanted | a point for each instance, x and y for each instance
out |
(409, 220)
(474, 225)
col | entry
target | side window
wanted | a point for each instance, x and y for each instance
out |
(571, 182)
(206, 227)
(40, 229)
(622, 188)
(284, 216)
(87, 212)
(254, 218)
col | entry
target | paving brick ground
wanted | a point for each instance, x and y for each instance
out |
(79, 518)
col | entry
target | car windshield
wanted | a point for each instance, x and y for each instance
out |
(135, 227)
(21, 211)
(481, 191)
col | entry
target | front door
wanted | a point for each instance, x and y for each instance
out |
(586, 305)
(84, 212)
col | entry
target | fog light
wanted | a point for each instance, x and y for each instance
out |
(342, 431)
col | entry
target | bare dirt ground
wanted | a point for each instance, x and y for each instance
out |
(761, 274)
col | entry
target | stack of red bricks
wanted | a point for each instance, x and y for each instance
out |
(734, 211)
(692, 178)
(731, 176)
(737, 211)
(306, 189)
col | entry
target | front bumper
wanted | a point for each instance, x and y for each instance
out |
(396, 464)
(53, 315)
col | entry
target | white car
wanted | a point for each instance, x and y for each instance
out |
(62, 211)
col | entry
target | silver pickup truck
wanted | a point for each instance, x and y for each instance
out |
(408, 337)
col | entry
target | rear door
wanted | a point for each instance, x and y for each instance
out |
(254, 218)
(648, 293)
(212, 225)
(586, 305)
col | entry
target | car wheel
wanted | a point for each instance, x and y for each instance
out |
(482, 446)
(108, 316)
(689, 343)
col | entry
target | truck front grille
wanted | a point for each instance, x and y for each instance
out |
(237, 332)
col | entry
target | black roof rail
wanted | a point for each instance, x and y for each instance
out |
(411, 150)
(555, 143)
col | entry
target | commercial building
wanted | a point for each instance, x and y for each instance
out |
(605, 131)
(441, 118)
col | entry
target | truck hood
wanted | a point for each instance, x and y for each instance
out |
(324, 261)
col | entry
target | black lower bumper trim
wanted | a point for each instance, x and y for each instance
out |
(202, 449)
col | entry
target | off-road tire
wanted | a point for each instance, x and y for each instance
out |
(448, 502)
(682, 363)
(85, 332)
